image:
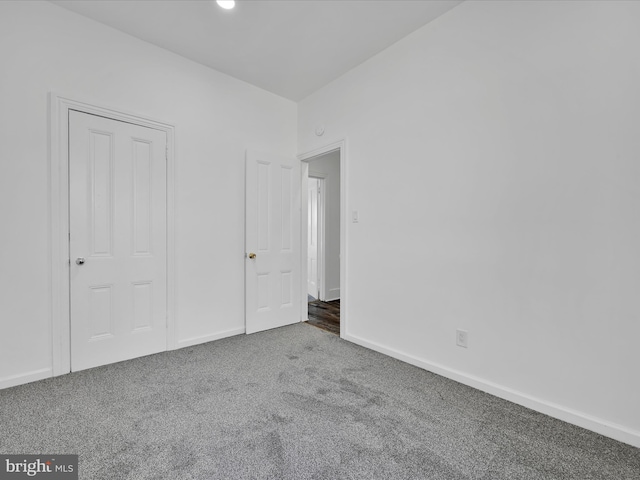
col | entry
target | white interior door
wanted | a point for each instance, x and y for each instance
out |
(272, 264)
(312, 238)
(118, 240)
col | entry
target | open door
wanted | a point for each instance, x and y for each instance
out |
(272, 258)
(313, 235)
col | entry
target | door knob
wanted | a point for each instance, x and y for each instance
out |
(252, 256)
(80, 260)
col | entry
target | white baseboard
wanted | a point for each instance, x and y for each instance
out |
(188, 342)
(595, 424)
(332, 294)
(28, 377)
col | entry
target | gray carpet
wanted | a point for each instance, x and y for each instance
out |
(294, 403)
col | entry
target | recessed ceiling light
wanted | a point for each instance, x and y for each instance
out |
(226, 4)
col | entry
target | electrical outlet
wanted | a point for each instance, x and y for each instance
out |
(462, 338)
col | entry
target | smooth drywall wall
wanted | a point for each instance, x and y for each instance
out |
(45, 48)
(494, 159)
(327, 167)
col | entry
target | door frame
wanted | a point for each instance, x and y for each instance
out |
(59, 293)
(321, 232)
(305, 158)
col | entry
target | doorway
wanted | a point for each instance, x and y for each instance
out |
(151, 297)
(324, 239)
(276, 237)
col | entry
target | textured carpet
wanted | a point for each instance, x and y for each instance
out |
(294, 403)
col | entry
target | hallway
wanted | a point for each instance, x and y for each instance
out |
(325, 315)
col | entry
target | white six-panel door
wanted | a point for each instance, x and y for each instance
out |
(272, 263)
(118, 240)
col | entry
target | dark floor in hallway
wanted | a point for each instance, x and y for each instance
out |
(325, 315)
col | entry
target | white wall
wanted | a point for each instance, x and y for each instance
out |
(492, 155)
(328, 167)
(46, 48)
(494, 158)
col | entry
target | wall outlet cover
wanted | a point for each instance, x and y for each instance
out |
(462, 338)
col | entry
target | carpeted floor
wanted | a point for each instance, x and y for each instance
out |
(294, 403)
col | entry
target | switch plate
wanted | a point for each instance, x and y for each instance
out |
(462, 338)
(354, 216)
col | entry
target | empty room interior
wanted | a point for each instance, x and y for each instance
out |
(455, 184)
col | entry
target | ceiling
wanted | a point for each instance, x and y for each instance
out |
(288, 47)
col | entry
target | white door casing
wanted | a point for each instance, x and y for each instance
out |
(305, 158)
(118, 226)
(273, 250)
(312, 238)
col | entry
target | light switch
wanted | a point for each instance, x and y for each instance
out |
(354, 216)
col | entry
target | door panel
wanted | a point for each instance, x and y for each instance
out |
(312, 239)
(272, 291)
(117, 207)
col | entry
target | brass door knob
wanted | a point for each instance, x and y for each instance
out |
(252, 256)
